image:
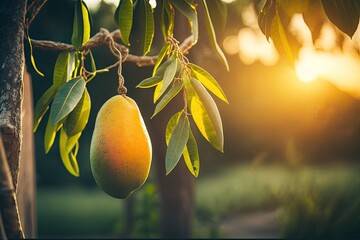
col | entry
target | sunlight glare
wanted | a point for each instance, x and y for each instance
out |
(231, 44)
(339, 68)
(95, 4)
(250, 43)
(305, 71)
(254, 46)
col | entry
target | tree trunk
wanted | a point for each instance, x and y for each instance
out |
(11, 87)
(177, 189)
(177, 198)
(11, 74)
(26, 192)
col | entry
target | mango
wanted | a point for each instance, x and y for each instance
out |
(120, 150)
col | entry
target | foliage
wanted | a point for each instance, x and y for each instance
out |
(173, 73)
(274, 18)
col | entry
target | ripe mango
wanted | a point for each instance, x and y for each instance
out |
(120, 150)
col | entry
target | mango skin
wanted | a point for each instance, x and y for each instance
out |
(120, 150)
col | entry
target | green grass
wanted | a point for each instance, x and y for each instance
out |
(242, 188)
(323, 209)
(90, 212)
(76, 212)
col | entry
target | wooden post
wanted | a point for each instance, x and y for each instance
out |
(26, 191)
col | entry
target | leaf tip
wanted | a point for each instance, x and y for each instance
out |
(168, 171)
(221, 149)
(47, 149)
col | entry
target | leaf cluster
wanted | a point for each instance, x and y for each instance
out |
(175, 75)
(274, 18)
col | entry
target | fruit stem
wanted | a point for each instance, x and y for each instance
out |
(117, 53)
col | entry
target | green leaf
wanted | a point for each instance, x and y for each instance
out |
(71, 66)
(212, 36)
(266, 16)
(291, 7)
(73, 162)
(218, 13)
(343, 14)
(72, 141)
(93, 65)
(42, 105)
(169, 75)
(191, 155)
(78, 118)
(206, 115)
(124, 18)
(357, 6)
(167, 19)
(157, 91)
(50, 134)
(159, 74)
(208, 81)
(150, 27)
(32, 58)
(280, 38)
(149, 82)
(171, 125)
(189, 12)
(161, 69)
(168, 96)
(77, 67)
(76, 148)
(81, 26)
(60, 69)
(163, 52)
(143, 29)
(177, 143)
(69, 161)
(315, 17)
(66, 99)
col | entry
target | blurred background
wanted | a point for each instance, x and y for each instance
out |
(290, 166)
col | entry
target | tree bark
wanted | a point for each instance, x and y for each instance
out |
(176, 190)
(177, 199)
(11, 74)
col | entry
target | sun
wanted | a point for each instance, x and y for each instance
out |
(306, 71)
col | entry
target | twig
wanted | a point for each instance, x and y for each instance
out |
(34, 9)
(8, 203)
(99, 39)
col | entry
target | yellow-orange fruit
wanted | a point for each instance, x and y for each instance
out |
(120, 150)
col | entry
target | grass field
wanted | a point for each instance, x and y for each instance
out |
(90, 213)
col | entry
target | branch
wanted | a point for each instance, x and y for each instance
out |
(100, 39)
(34, 9)
(8, 203)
